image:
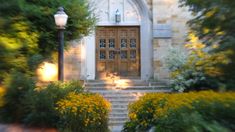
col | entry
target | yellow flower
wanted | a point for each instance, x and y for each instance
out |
(90, 108)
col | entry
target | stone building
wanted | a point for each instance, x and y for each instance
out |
(130, 40)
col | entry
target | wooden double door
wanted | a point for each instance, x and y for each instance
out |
(117, 52)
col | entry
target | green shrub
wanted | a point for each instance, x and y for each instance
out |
(195, 111)
(24, 103)
(17, 85)
(198, 68)
(39, 104)
(188, 121)
(61, 105)
(83, 113)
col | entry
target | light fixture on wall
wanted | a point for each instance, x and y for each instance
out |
(117, 16)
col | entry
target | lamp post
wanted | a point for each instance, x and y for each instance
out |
(60, 20)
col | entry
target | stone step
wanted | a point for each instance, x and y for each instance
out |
(90, 85)
(119, 93)
(118, 96)
(118, 106)
(124, 110)
(152, 83)
(114, 80)
(130, 99)
(120, 100)
(130, 91)
(119, 109)
(123, 82)
(115, 128)
(118, 119)
(127, 88)
(100, 84)
(119, 114)
(116, 123)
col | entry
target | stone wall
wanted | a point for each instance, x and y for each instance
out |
(169, 29)
(72, 61)
(149, 3)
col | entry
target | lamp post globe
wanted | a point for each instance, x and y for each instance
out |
(61, 20)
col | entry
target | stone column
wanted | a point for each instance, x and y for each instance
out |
(162, 36)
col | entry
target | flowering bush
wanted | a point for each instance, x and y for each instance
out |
(83, 112)
(174, 112)
(197, 70)
(39, 103)
(22, 102)
(62, 105)
(176, 58)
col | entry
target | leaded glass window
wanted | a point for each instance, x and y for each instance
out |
(111, 55)
(102, 55)
(102, 43)
(123, 43)
(123, 54)
(111, 43)
(133, 54)
(133, 43)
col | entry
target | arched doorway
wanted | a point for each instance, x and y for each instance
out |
(133, 14)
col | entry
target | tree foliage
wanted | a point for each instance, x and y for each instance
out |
(214, 24)
(28, 32)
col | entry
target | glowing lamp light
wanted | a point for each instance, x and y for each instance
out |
(47, 72)
(61, 18)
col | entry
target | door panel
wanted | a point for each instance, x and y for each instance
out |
(117, 51)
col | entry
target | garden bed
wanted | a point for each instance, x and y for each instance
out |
(193, 111)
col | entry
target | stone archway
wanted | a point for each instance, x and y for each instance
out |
(134, 13)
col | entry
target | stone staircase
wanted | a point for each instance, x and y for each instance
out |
(120, 93)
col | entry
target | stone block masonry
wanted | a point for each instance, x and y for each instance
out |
(168, 14)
